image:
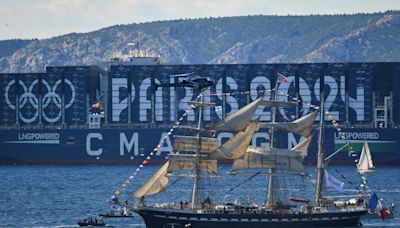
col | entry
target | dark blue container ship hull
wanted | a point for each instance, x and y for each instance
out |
(110, 146)
(50, 118)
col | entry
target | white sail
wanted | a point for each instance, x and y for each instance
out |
(239, 120)
(155, 184)
(235, 147)
(301, 126)
(365, 164)
(302, 147)
(274, 158)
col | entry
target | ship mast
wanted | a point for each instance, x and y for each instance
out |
(195, 197)
(270, 193)
(320, 162)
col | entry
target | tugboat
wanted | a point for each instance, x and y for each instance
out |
(200, 153)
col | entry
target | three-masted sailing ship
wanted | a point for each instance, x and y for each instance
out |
(200, 153)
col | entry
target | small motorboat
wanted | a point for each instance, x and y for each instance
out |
(112, 214)
(120, 213)
(91, 222)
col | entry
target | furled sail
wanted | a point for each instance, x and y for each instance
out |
(301, 126)
(270, 158)
(201, 103)
(365, 164)
(239, 120)
(192, 143)
(179, 162)
(195, 129)
(155, 184)
(235, 147)
(283, 104)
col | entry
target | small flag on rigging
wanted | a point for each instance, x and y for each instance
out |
(282, 78)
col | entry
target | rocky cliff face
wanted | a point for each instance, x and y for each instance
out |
(250, 39)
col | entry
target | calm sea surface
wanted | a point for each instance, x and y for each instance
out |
(58, 196)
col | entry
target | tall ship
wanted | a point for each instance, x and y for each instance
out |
(117, 112)
(197, 154)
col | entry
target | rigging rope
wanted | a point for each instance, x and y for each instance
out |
(248, 179)
(154, 151)
(348, 181)
(185, 114)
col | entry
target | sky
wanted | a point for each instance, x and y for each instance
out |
(29, 19)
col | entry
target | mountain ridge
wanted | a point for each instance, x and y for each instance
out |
(242, 39)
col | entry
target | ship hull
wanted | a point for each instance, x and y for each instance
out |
(174, 218)
(123, 146)
(81, 114)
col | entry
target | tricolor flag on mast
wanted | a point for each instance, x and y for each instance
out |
(373, 202)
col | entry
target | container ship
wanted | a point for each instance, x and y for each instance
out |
(119, 111)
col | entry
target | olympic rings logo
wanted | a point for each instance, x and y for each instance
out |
(50, 97)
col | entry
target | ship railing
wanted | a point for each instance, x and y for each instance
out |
(43, 127)
(134, 125)
(334, 203)
(219, 209)
(172, 205)
(127, 125)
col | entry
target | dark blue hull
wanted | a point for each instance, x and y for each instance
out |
(70, 97)
(175, 218)
(75, 146)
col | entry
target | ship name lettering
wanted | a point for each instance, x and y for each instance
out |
(152, 107)
(89, 150)
(165, 144)
(38, 136)
(359, 135)
(124, 143)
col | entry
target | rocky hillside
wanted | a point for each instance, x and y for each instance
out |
(247, 39)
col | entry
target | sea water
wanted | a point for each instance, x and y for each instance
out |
(59, 196)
